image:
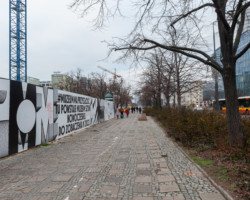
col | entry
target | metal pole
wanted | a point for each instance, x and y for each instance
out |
(26, 53)
(216, 87)
(10, 39)
(18, 41)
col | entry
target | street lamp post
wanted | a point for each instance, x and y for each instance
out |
(216, 87)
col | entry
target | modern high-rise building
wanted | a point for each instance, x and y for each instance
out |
(247, 21)
(242, 64)
(243, 67)
(209, 88)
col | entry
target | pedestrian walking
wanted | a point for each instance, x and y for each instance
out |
(139, 110)
(127, 112)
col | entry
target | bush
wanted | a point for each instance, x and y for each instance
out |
(205, 134)
(202, 129)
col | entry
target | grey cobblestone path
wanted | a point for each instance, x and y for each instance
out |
(119, 159)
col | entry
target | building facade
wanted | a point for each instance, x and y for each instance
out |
(242, 72)
(243, 67)
(209, 88)
(61, 81)
(192, 97)
(45, 83)
(32, 80)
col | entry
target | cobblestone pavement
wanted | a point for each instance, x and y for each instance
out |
(118, 159)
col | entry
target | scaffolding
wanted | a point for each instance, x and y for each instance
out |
(18, 40)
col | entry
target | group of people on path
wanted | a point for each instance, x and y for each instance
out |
(120, 112)
(136, 108)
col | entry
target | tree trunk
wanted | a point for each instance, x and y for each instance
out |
(158, 101)
(235, 130)
(167, 99)
(174, 104)
(178, 92)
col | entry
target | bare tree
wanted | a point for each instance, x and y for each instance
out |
(79, 82)
(156, 79)
(99, 87)
(154, 74)
(74, 81)
(168, 73)
(181, 75)
(121, 92)
(64, 82)
(147, 95)
(189, 13)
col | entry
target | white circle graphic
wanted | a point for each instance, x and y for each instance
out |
(26, 116)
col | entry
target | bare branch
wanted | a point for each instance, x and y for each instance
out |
(242, 52)
(243, 8)
(174, 49)
(136, 48)
(210, 61)
(239, 32)
(221, 15)
(190, 12)
(236, 15)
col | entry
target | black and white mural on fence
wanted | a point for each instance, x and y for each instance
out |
(74, 112)
(46, 116)
(22, 120)
(4, 117)
(31, 115)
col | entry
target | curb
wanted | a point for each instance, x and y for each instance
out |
(223, 192)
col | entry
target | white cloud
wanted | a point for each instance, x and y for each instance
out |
(58, 40)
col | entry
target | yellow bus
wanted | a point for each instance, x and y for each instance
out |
(244, 105)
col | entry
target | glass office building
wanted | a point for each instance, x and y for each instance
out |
(242, 66)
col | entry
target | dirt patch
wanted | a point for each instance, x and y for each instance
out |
(231, 174)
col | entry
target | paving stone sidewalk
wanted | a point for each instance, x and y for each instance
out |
(118, 159)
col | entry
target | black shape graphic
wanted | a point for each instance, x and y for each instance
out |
(55, 107)
(16, 98)
(43, 138)
(23, 138)
(31, 95)
(93, 103)
(45, 93)
(3, 95)
(98, 111)
(55, 114)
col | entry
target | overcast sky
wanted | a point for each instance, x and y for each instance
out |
(58, 40)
